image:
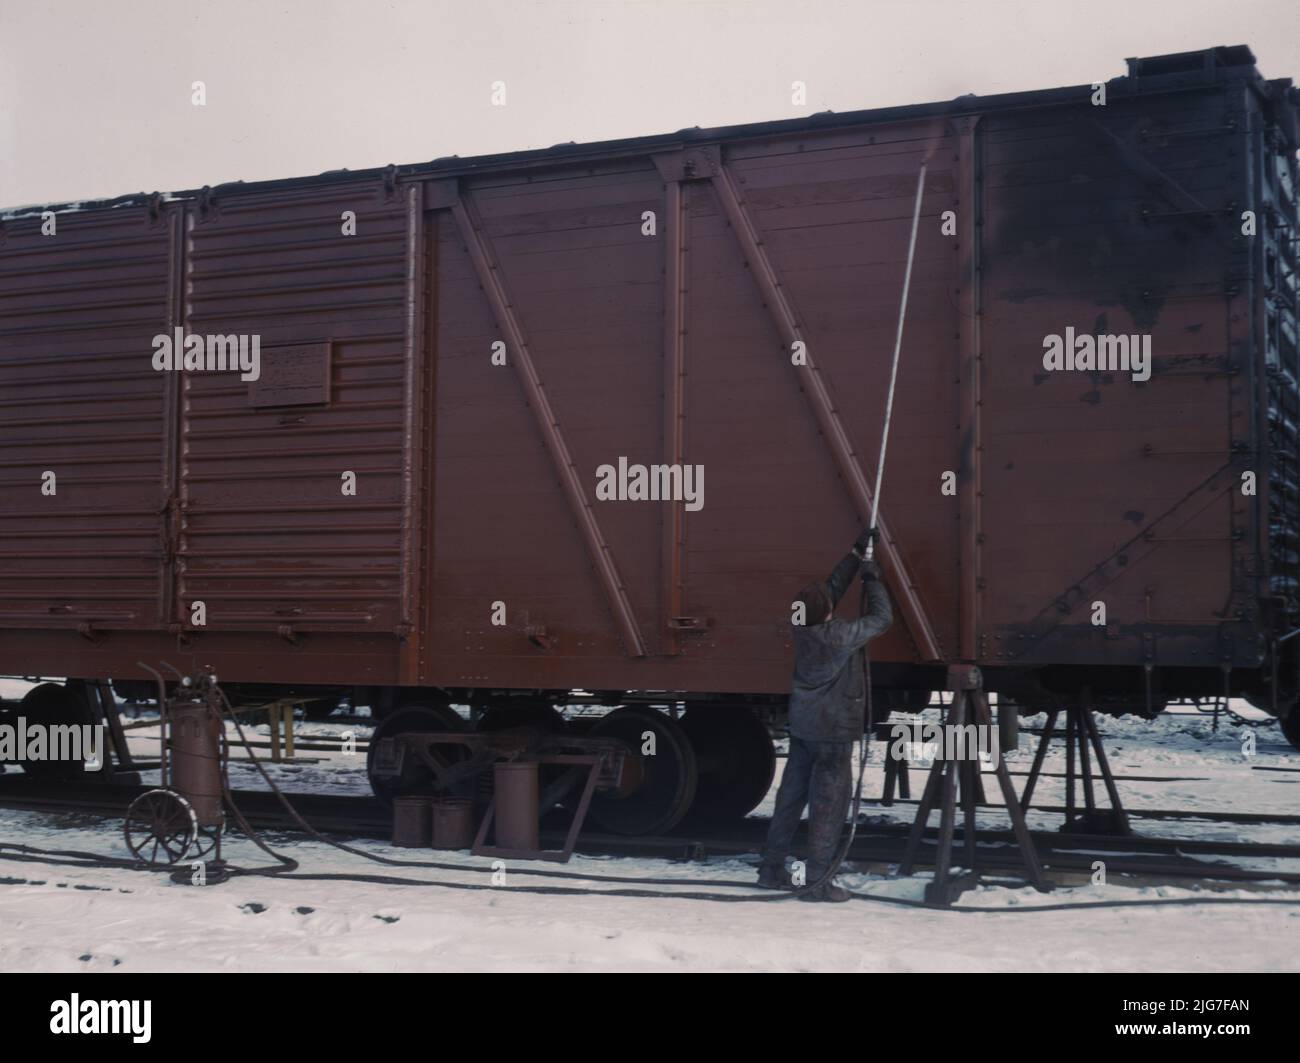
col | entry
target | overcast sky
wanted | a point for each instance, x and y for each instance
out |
(95, 97)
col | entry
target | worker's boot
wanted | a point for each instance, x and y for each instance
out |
(828, 891)
(774, 877)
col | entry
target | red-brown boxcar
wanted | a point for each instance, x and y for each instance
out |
(490, 332)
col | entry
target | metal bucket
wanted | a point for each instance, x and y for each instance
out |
(196, 759)
(516, 811)
(411, 822)
(453, 823)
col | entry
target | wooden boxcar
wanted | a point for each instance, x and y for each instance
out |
(474, 339)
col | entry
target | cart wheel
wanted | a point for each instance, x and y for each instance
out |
(160, 827)
(205, 842)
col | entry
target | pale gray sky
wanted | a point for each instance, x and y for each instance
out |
(95, 96)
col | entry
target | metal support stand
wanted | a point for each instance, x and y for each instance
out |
(560, 856)
(104, 707)
(1080, 733)
(969, 706)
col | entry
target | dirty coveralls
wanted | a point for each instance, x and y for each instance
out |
(827, 713)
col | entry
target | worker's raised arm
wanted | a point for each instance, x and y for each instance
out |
(879, 616)
(838, 581)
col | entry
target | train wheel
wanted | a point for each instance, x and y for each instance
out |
(52, 704)
(737, 760)
(669, 776)
(160, 827)
(1291, 726)
(414, 777)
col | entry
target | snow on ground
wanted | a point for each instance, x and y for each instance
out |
(70, 919)
(64, 918)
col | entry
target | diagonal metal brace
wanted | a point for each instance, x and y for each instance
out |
(1147, 170)
(823, 407)
(489, 275)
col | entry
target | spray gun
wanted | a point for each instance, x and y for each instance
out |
(893, 371)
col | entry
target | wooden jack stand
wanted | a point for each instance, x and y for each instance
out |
(1080, 732)
(969, 706)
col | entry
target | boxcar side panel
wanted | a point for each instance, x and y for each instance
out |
(84, 421)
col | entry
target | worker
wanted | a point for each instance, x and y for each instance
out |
(827, 713)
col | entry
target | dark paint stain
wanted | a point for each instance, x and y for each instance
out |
(1134, 515)
(1009, 465)
(1092, 398)
(1144, 311)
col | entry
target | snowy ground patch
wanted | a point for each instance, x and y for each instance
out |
(62, 918)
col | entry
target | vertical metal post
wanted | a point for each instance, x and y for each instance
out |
(178, 222)
(968, 205)
(1071, 715)
(414, 476)
(675, 192)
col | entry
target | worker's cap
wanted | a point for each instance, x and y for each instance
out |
(816, 603)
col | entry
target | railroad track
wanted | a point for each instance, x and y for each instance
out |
(877, 843)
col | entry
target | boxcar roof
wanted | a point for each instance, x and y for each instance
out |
(1179, 76)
